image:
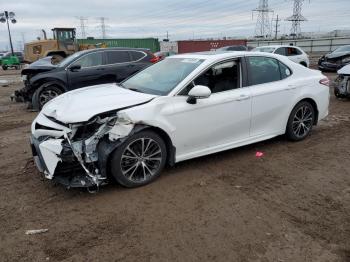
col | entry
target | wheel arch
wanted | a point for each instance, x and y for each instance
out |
(303, 63)
(314, 105)
(46, 80)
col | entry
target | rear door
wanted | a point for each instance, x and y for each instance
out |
(91, 72)
(272, 89)
(120, 65)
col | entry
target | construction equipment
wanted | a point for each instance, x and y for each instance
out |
(62, 45)
(10, 62)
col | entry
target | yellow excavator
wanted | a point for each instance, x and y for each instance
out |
(62, 45)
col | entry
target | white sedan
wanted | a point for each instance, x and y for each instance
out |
(294, 53)
(183, 107)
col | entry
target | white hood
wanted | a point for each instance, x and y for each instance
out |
(82, 104)
(345, 70)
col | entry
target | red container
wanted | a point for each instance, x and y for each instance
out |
(190, 46)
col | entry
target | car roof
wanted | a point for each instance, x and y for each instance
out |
(218, 55)
(276, 46)
(114, 48)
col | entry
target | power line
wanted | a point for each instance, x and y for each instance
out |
(262, 27)
(296, 18)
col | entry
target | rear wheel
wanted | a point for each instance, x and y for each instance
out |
(300, 121)
(44, 94)
(139, 160)
(4, 67)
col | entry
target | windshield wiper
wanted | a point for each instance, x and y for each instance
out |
(130, 88)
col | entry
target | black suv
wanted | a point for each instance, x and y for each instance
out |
(44, 81)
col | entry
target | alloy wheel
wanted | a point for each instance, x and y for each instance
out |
(141, 159)
(302, 121)
(47, 95)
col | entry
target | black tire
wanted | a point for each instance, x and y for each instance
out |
(4, 67)
(138, 164)
(337, 94)
(44, 94)
(301, 121)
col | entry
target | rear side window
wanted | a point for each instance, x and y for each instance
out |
(281, 51)
(115, 57)
(263, 70)
(293, 51)
(136, 55)
(285, 71)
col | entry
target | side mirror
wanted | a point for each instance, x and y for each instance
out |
(198, 92)
(75, 68)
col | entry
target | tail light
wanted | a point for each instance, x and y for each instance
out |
(325, 81)
(154, 59)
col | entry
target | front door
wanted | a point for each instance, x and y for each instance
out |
(91, 71)
(216, 121)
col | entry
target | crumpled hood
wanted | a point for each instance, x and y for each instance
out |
(42, 65)
(345, 70)
(82, 104)
(336, 55)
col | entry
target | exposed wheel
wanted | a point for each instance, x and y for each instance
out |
(4, 67)
(44, 94)
(337, 94)
(139, 160)
(300, 121)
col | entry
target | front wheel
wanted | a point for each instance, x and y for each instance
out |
(44, 94)
(300, 121)
(139, 160)
(4, 67)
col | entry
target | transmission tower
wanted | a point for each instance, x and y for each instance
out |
(296, 18)
(103, 27)
(263, 26)
(82, 26)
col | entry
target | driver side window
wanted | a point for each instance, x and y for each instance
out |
(221, 77)
(89, 60)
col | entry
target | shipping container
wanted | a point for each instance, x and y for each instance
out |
(149, 43)
(189, 46)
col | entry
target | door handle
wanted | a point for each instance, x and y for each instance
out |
(242, 97)
(291, 87)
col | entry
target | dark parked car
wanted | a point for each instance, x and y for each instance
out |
(233, 48)
(44, 81)
(335, 60)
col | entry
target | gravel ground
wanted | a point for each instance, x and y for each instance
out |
(291, 205)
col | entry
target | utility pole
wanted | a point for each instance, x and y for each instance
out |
(83, 21)
(296, 18)
(277, 20)
(262, 27)
(103, 27)
(5, 17)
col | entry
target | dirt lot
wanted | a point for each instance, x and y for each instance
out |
(291, 205)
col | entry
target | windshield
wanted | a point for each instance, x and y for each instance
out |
(69, 59)
(162, 77)
(342, 49)
(264, 49)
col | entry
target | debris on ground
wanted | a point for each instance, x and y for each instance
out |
(259, 154)
(36, 231)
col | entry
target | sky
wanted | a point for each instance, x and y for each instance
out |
(183, 19)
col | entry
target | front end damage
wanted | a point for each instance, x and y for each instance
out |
(342, 83)
(76, 155)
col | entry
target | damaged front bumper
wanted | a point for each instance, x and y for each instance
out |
(76, 155)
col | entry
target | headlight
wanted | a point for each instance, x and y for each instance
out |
(346, 59)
